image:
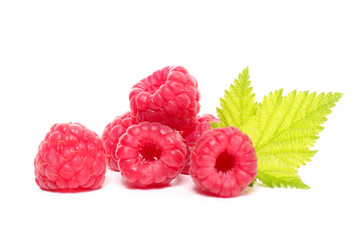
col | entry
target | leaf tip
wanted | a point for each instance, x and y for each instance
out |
(338, 95)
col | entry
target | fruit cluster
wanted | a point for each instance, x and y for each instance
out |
(160, 137)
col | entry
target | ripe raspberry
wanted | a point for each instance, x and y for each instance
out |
(111, 134)
(190, 135)
(71, 157)
(150, 154)
(223, 162)
(169, 96)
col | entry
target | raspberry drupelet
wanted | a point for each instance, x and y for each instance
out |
(169, 96)
(223, 162)
(191, 135)
(150, 154)
(70, 158)
(111, 134)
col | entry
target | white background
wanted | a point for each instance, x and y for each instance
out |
(64, 61)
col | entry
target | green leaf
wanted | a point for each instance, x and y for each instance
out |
(283, 130)
(216, 125)
(238, 104)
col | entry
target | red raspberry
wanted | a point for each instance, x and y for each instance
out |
(169, 96)
(71, 157)
(150, 154)
(223, 162)
(191, 135)
(111, 134)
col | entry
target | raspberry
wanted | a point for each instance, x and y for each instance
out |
(190, 135)
(111, 134)
(169, 96)
(150, 154)
(223, 162)
(71, 157)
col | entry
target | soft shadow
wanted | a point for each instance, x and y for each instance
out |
(72, 191)
(180, 180)
(250, 190)
(157, 186)
(246, 192)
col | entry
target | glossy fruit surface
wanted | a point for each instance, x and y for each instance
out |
(169, 96)
(71, 157)
(150, 154)
(223, 162)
